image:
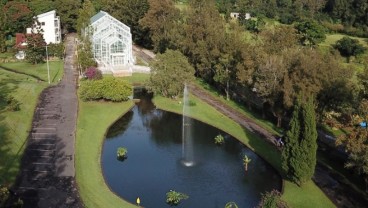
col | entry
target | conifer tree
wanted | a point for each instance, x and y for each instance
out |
(300, 150)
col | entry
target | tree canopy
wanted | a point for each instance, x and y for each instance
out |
(169, 73)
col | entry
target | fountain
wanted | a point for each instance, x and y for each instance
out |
(187, 150)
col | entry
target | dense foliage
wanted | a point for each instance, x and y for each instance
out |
(36, 50)
(169, 73)
(299, 155)
(349, 47)
(93, 73)
(173, 197)
(108, 88)
(272, 199)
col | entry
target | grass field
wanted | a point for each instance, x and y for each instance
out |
(332, 38)
(14, 125)
(90, 136)
(38, 70)
(137, 78)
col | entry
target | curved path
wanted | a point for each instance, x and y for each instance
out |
(47, 178)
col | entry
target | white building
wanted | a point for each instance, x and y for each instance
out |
(235, 15)
(50, 24)
(112, 43)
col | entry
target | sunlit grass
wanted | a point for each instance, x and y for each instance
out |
(94, 119)
(38, 70)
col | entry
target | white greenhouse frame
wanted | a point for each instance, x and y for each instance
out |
(111, 42)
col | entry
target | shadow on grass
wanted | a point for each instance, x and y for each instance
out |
(18, 72)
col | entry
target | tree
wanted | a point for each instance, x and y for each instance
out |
(349, 47)
(356, 144)
(300, 150)
(68, 11)
(35, 52)
(130, 12)
(203, 35)
(311, 33)
(19, 17)
(169, 72)
(84, 16)
(161, 19)
(85, 55)
(41, 6)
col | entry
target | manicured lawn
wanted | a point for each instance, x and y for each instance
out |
(15, 125)
(307, 196)
(137, 78)
(93, 121)
(38, 70)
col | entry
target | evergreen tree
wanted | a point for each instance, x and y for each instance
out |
(300, 150)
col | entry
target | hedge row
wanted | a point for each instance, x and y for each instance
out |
(109, 88)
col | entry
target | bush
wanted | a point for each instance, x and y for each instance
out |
(173, 198)
(56, 50)
(111, 89)
(4, 194)
(219, 139)
(12, 104)
(122, 153)
(93, 73)
(272, 200)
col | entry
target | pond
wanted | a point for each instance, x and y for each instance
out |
(154, 165)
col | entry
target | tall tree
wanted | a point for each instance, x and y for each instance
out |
(68, 11)
(162, 20)
(203, 31)
(300, 151)
(84, 16)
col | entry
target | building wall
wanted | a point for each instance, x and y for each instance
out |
(50, 24)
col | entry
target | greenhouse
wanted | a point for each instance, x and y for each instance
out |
(111, 42)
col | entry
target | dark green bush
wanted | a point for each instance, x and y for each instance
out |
(110, 88)
(272, 200)
(4, 194)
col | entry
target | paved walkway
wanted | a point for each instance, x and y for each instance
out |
(48, 174)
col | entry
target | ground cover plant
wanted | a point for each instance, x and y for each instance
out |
(14, 125)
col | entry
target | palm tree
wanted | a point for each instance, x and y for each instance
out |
(246, 160)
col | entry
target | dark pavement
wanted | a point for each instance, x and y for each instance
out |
(47, 177)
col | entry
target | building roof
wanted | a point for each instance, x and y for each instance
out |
(98, 16)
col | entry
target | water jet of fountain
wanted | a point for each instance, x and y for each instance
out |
(187, 151)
